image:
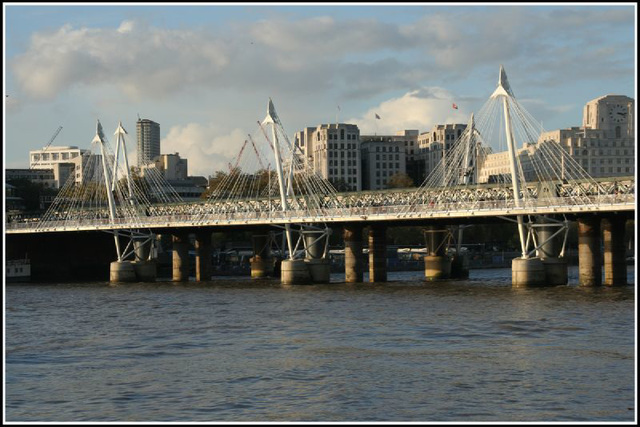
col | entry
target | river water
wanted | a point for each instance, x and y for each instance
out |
(241, 350)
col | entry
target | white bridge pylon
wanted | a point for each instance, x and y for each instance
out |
(538, 170)
(126, 194)
(272, 180)
(504, 93)
(295, 166)
(105, 192)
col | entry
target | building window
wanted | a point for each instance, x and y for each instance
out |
(618, 132)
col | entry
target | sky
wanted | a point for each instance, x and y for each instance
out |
(205, 72)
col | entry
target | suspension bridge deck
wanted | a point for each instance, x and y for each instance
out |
(196, 215)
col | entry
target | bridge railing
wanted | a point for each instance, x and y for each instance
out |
(440, 209)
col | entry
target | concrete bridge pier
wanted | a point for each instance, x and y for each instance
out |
(555, 268)
(262, 261)
(589, 255)
(546, 268)
(319, 266)
(615, 266)
(377, 252)
(203, 255)
(180, 241)
(437, 265)
(122, 272)
(294, 272)
(352, 235)
(145, 268)
(527, 272)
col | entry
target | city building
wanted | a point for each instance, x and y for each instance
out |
(189, 189)
(172, 166)
(496, 167)
(12, 202)
(62, 160)
(174, 170)
(45, 177)
(414, 163)
(605, 143)
(383, 156)
(434, 144)
(604, 146)
(148, 133)
(333, 152)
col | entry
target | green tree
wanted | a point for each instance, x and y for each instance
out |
(340, 184)
(214, 183)
(400, 180)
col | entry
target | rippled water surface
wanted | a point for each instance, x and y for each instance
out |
(242, 350)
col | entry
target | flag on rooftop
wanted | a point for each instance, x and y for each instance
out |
(455, 106)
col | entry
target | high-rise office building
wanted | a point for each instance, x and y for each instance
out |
(148, 141)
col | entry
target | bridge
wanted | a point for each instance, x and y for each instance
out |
(544, 189)
(616, 195)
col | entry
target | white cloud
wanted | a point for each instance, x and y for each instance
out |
(143, 61)
(126, 27)
(186, 77)
(207, 148)
(413, 110)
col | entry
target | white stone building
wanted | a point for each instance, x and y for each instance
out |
(333, 152)
(383, 156)
(434, 144)
(63, 160)
(605, 143)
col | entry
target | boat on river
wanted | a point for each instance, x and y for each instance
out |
(18, 270)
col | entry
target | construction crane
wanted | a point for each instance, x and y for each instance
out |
(231, 168)
(255, 149)
(55, 134)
